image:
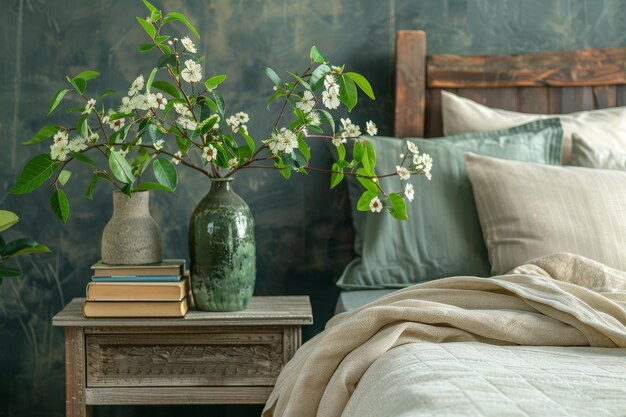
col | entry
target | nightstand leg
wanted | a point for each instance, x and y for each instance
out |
(75, 373)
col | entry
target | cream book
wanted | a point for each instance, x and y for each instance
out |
(138, 291)
(167, 267)
(135, 308)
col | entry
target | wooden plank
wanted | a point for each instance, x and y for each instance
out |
(576, 99)
(532, 100)
(621, 95)
(589, 67)
(434, 121)
(75, 380)
(251, 358)
(604, 96)
(554, 100)
(499, 98)
(283, 310)
(410, 83)
(178, 395)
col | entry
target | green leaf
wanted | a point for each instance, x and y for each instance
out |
(274, 96)
(347, 92)
(64, 176)
(336, 177)
(144, 186)
(150, 6)
(43, 134)
(220, 104)
(60, 205)
(366, 182)
(92, 185)
(87, 75)
(107, 92)
(398, 207)
(362, 82)
(79, 84)
(83, 158)
(249, 140)
(328, 118)
(358, 150)
(364, 201)
(82, 125)
(9, 272)
(7, 219)
(210, 122)
(120, 167)
(317, 76)
(369, 157)
(214, 81)
(162, 38)
(300, 80)
(22, 246)
(166, 59)
(304, 148)
(35, 172)
(151, 79)
(316, 56)
(273, 76)
(58, 96)
(145, 47)
(148, 27)
(165, 173)
(341, 152)
(173, 16)
(183, 145)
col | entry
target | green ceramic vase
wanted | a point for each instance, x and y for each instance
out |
(222, 249)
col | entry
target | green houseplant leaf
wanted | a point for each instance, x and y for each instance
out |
(362, 82)
(60, 205)
(173, 16)
(7, 219)
(165, 173)
(20, 247)
(58, 96)
(35, 173)
(214, 81)
(398, 207)
(43, 134)
(120, 167)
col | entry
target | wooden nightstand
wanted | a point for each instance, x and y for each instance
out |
(204, 358)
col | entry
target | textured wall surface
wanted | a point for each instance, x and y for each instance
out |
(304, 234)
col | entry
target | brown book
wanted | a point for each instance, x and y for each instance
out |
(137, 291)
(167, 267)
(136, 308)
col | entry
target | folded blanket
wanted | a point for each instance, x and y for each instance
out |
(557, 300)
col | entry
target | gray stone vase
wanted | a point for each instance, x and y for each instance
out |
(131, 237)
(222, 249)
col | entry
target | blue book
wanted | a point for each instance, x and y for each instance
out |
(138, 278)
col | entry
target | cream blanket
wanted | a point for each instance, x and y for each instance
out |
(558, 300)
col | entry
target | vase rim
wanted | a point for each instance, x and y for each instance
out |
(134, 192)
(222, 179)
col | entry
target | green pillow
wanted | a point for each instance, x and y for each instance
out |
(443, 236)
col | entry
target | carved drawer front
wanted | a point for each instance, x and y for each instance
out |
(219, 357)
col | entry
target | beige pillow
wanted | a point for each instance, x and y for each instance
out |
(586, 154)
(607, 127)
(529, 210)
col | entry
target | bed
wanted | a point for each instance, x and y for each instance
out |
(542, 331)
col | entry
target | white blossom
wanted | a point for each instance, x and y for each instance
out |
(105, 120)
(91, 103)
(284, 141)
(424, 163)
(409, 192)
(330, 82)
(186, 123)
(330, 98)
(177, 157)
(158, 145)
(336, 69)
(350, 130)
(242, 117)
(313, 118)
(127, 105)
(412, 147)
(123, 152)
(192, 72)
(307, 102)
(117, 124)
(237, 121)
(161, 101)
(136, 86)
(403, 173)
(188, 44)
(232, 163)
(371, 128)
(61, 135)
(139, 102)
(376, 206)
(77, 144)
(151, 101)
(93, 138)
(182, 109)
(209, 153)
(338, 140)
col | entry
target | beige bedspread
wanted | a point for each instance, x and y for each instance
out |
(558, 300)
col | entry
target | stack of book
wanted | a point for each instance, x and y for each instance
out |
(156, 290)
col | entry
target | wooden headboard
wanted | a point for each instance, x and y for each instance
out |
(535, 82)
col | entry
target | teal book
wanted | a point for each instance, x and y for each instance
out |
(138, 278)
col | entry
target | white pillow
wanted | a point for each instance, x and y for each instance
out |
(605, 127)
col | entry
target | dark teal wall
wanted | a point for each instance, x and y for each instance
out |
(304, 231)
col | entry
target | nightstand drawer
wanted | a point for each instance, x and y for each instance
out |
(226, 356)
